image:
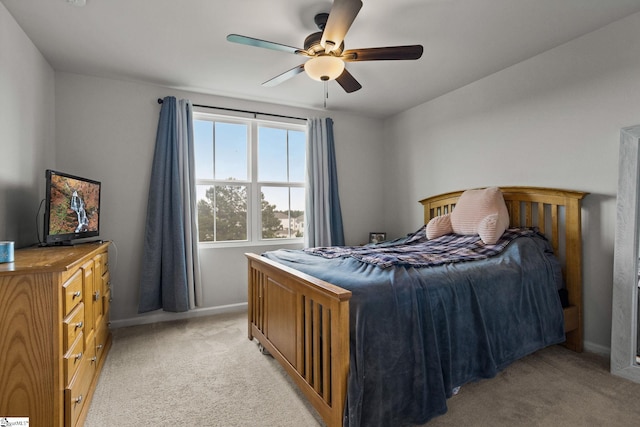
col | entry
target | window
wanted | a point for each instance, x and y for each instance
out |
(249, 179)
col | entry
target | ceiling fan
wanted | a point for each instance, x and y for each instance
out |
(325, 49)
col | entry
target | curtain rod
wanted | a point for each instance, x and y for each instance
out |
(255, 113)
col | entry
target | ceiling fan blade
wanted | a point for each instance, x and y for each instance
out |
(250, 41)
(341, 16)
(284, 76)
(383, 53)
(348, 82)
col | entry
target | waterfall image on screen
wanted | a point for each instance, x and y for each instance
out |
(77, 205)
(74, 205)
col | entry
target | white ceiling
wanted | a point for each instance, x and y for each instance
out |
(182, 44)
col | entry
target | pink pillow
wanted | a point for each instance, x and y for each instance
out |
(481, 212)
(439, 226)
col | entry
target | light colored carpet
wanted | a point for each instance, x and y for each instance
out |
(196, 372)
(552, 387)
(205, 372)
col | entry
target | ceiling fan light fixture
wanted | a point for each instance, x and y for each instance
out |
(324, 67)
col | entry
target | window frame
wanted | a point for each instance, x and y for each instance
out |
(254, 208)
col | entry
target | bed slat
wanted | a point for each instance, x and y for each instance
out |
(317, 366)
(308, 334)
(541, 222)
(554, 229)
(326, 357)
(515, 217)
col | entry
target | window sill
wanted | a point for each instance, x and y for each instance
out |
(246, 244)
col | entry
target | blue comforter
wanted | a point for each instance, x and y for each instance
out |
(417, 333)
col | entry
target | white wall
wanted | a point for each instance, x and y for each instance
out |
(105, 130)
(26, 131)
(551, 121)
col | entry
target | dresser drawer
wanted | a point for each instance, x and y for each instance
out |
(75, 395)
(72, 292)
(72, 326)
(73, 359)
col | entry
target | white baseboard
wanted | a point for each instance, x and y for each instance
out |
(164, 316)
(597, 349)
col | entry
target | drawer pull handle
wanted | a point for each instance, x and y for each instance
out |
(99, 347)
(96, 295)
(76, 294)
(110, 299)
(93, 359)
(78, 400)
(78, 356)
(79, 325)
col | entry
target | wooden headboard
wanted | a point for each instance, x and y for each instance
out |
(557, 214)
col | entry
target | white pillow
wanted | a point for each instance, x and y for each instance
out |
(439, 226)
(481, 212)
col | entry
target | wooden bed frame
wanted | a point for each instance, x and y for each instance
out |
(304, 322)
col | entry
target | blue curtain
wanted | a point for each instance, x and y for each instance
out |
(170, 270)
(323, 226)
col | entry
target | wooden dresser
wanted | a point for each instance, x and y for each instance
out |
(54, 333)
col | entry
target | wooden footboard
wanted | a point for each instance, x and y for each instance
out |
(304, 323)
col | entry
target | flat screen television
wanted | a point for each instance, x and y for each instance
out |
(72, 208)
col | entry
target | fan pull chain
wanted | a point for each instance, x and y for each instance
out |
(326, 93)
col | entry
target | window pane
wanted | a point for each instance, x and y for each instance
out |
(222, 212)
(272, 154)
(205, 214)
(275, 204)
(297, 211)
(231, 212)
(297, 155)
(203, 148)
(282, 212)
(231, 151)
